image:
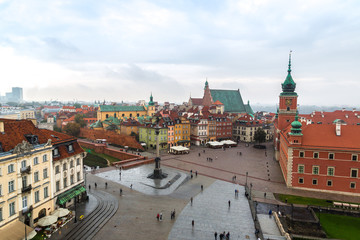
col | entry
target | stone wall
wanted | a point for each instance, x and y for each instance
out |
(102, 148)
(111, 137)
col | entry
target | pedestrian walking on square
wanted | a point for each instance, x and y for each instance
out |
(120, 191)
(192, 223)
(199, 154)
(174, 213)
(228, 236)
(158, 216)
(264, 194)
(171, 215)
(202, 187)
(191, 200)
(203, 151)
(89, 187)
(131, 186)
(105, 185)
(95, 185)
(215, 235)
(161, 216)
(196, 173)
(229, 203)
(192, 176)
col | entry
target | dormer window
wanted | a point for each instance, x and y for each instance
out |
(56, 152)
(33, 139)
(70, 148)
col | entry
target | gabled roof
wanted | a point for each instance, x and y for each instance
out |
(230, 98)
(196, 101)
(118, 108)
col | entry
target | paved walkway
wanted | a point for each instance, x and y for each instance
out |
(211, 212)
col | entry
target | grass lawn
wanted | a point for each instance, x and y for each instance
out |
(110, 158)
(340, 227)
(302, 200)
(93, 160)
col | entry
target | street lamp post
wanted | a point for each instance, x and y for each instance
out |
(250, 190)
(75, 209)
(29, 215)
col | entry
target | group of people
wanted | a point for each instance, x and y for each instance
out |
(159, 216)
(209, 159)
(239, 153)
(222, 236)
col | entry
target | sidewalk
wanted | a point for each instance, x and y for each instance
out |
(84, 208)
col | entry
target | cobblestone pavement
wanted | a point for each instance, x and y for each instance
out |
(258, 163)
(211, 212)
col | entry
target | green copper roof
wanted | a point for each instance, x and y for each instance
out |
(296, 126)
(206, 84)
(118, 108)
(249, 109)
(151, 103)
(96, 124)
(112, 120)
(231, 99)
(289, 85)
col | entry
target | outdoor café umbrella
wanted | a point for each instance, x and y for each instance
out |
(48, 220)
(31, 235)
(60, 212)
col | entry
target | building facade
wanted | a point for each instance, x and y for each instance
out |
(315, 156)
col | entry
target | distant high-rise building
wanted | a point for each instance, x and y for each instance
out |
(16, 95)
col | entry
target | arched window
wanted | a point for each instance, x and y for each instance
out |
(42, 213)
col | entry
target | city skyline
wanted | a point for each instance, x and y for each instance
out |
(108, 50)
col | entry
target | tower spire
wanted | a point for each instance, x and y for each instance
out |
(289, 69)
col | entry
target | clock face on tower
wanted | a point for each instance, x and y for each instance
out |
(288, 102)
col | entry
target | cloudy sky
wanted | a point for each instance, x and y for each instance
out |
(124, 50)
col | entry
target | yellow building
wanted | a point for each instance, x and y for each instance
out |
(126, 112)
(25, 175)
(30, 160)
(182, 131)
(129, 126)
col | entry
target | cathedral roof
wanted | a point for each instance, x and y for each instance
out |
(231, 99)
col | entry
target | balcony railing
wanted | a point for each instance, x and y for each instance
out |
(25, 170)
(26, 189)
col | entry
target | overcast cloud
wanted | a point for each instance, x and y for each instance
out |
(124, 50)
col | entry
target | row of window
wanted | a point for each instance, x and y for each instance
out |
(57, 168)
(354, 157)
(330, 171)
(11, 167)
(24, 202)
(329, 183)
(65, 181)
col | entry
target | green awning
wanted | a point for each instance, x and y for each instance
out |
(66, 196)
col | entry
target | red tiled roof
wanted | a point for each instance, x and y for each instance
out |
(350, 117)
(217, 102)
(324, 136)
(15, 131)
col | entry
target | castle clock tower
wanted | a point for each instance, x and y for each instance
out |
(288, 101)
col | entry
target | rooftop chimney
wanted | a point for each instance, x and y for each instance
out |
(2, 128)
(338, 129)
